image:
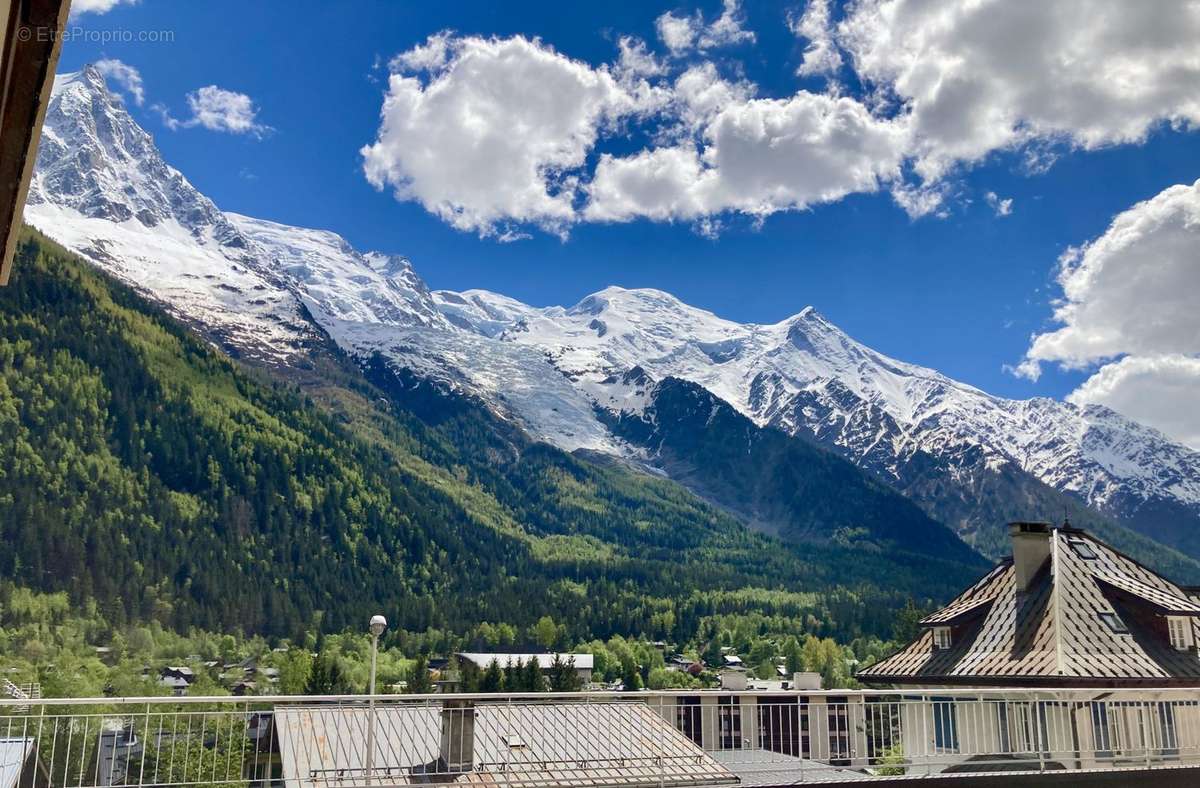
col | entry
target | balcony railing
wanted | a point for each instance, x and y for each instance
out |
(662, 739)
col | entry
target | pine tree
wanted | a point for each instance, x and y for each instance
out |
(563, 677)
(514, 677)
(325, 678)
(493, 678)
(630, 677)
(532, 680)
(419, 682)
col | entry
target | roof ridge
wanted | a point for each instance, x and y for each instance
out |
(1055, 589)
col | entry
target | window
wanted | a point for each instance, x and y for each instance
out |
(688, 718)
(1179, 629)
(945, 726)
(729, 722)
(838, 719)
(1082, 548)
(941, 638)
(1166, 728)
(1105, 730)
(1114, 622)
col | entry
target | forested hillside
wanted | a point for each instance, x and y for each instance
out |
(789, 485)
(785, 484)
(145, 470)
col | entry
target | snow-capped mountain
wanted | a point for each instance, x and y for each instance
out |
(266, 290)
(101, 188)
(804, 375)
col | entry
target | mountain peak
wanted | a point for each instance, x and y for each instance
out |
(88, 77)
(808, 314)
(95, 159)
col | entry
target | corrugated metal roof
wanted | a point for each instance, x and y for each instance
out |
(1024, 637)
(615, 744)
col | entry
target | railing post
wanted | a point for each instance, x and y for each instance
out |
(1148, 732)
(662, 762)
(1037, 727)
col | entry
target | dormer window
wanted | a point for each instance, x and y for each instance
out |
(941, 638)
(1179, 629)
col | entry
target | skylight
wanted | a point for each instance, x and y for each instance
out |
(1082, 549)
(1114, 622)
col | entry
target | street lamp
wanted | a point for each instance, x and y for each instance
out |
(377, 626)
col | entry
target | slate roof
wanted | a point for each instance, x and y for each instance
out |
(1052, 633)
(523, 745)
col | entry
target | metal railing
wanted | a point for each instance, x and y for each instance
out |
(663, 739)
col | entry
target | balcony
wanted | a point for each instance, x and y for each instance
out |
(603, 740)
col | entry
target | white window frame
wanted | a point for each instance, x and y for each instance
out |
(1179, 631)
(942, 638)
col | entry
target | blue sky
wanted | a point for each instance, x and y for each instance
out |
(961, 289)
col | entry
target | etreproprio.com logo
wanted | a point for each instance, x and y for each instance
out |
(95, 35)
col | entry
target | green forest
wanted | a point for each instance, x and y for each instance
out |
(154, 485)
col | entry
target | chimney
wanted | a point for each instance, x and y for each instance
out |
(458, 735)
(1031, 549)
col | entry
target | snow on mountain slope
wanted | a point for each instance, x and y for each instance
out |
(265, 289)
(102, 189)
(804, 374)
(480, 311)
(336, 282)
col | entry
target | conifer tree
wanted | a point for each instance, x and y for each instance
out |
(492, 679)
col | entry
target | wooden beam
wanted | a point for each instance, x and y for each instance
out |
(33, 33)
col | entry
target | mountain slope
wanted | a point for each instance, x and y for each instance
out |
(147, 471)
(804, 376)
(270, 292)
(773, 479)
(371, 305)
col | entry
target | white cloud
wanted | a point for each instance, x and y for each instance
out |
(821, 56)
(757, 157)
(681, 34)
(497, 134)
(989, 75)
(488, 132)
(678, 33)
(1133, 289)
(636, 60)
(1002, 206)
(1159, 391)
(919, 201)
(125, 75)
(699, 93)
(429, 56)
(217, 109)
(1129, 304)
(97, 6)
(727, 30)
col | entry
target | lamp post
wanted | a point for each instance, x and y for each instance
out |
(378, 625)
